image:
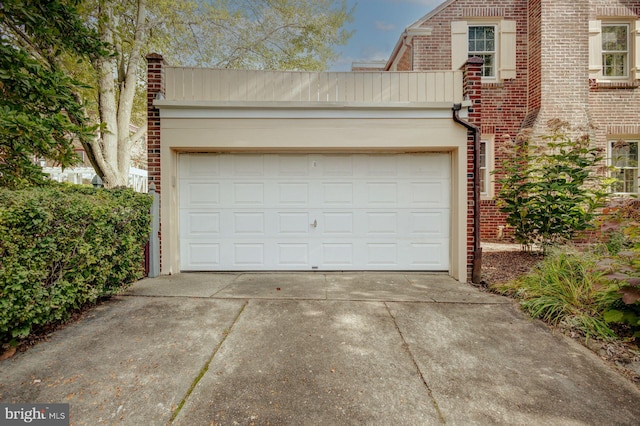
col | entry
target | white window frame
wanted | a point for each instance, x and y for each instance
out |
(483, 53)
(488, 167)
(596, 63)
(627, 52)
(613, 163)
(505, 46)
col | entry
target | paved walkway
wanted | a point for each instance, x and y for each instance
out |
(352, 348)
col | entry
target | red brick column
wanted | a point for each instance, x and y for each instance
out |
(472, 88)
(155, 90)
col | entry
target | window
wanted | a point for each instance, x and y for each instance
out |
(624, 160)
(482, 43)
(494, 40)
(484, 170)
(486, 167)
(615, 50)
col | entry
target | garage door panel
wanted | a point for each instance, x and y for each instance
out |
(381, 223)
(436, 167)
(249, 254)
(429, 256)
(337, 194)
(337, 223)
(338, 255)
(430, 194)
(200, 194)
(292, 194)
(325, 212)
(248, 166)
(248, 194)
(433, 224)
(292, 254)
(382, 254)
(200, 224)
(200, 256)
(249, 223)
(292, 165)
(382, 194)
(293, 223)
(201, 166)
(336, 165)
(380, 166)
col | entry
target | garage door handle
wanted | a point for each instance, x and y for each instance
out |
(315, 223)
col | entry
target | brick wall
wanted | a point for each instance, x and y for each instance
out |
(614, 108)
(552, 81)
(472, 87)
(155, 88)
(504, 104)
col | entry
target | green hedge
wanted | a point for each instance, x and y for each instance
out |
(64, 246)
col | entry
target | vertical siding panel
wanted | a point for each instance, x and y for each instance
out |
(267, 86)
(430, 87)
(422, 88)
(439, 92)
(206, 85)
(314, 87)
(448, 87)
(395, 87)
(224, 85)
(376, 87)
(198, 84)
(333, 87)
(458, 90)
(385, 87)
(367, 86)
(169, 87)
(413, 87)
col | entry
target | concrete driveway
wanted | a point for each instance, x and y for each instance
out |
(320, 348)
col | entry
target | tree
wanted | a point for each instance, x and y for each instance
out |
(40, 110)
(551, 191)
(258, 34)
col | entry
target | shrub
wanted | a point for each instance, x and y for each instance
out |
(563, 290)
(62, 247)
(622, 264)
(549, 192)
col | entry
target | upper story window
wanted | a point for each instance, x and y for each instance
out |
(623, 157)
(482, 43)
(493, 40)
(615, 50)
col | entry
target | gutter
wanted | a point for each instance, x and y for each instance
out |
(476, 275)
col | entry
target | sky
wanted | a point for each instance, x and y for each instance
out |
(377, 26)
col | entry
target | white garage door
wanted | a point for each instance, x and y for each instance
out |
(314, 212)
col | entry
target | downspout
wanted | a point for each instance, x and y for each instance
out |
(476, 275)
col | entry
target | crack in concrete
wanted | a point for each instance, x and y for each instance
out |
(205, 368)
(415, 364)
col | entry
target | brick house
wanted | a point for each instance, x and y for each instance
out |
(575, 60)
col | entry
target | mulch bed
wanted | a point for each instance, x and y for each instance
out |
(503, 266)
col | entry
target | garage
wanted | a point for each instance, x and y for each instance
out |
(314, 211)
(311, 171)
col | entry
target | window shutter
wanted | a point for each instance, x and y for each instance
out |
(459, 44)
(507, 52)
(595, 49)
(635, 51)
